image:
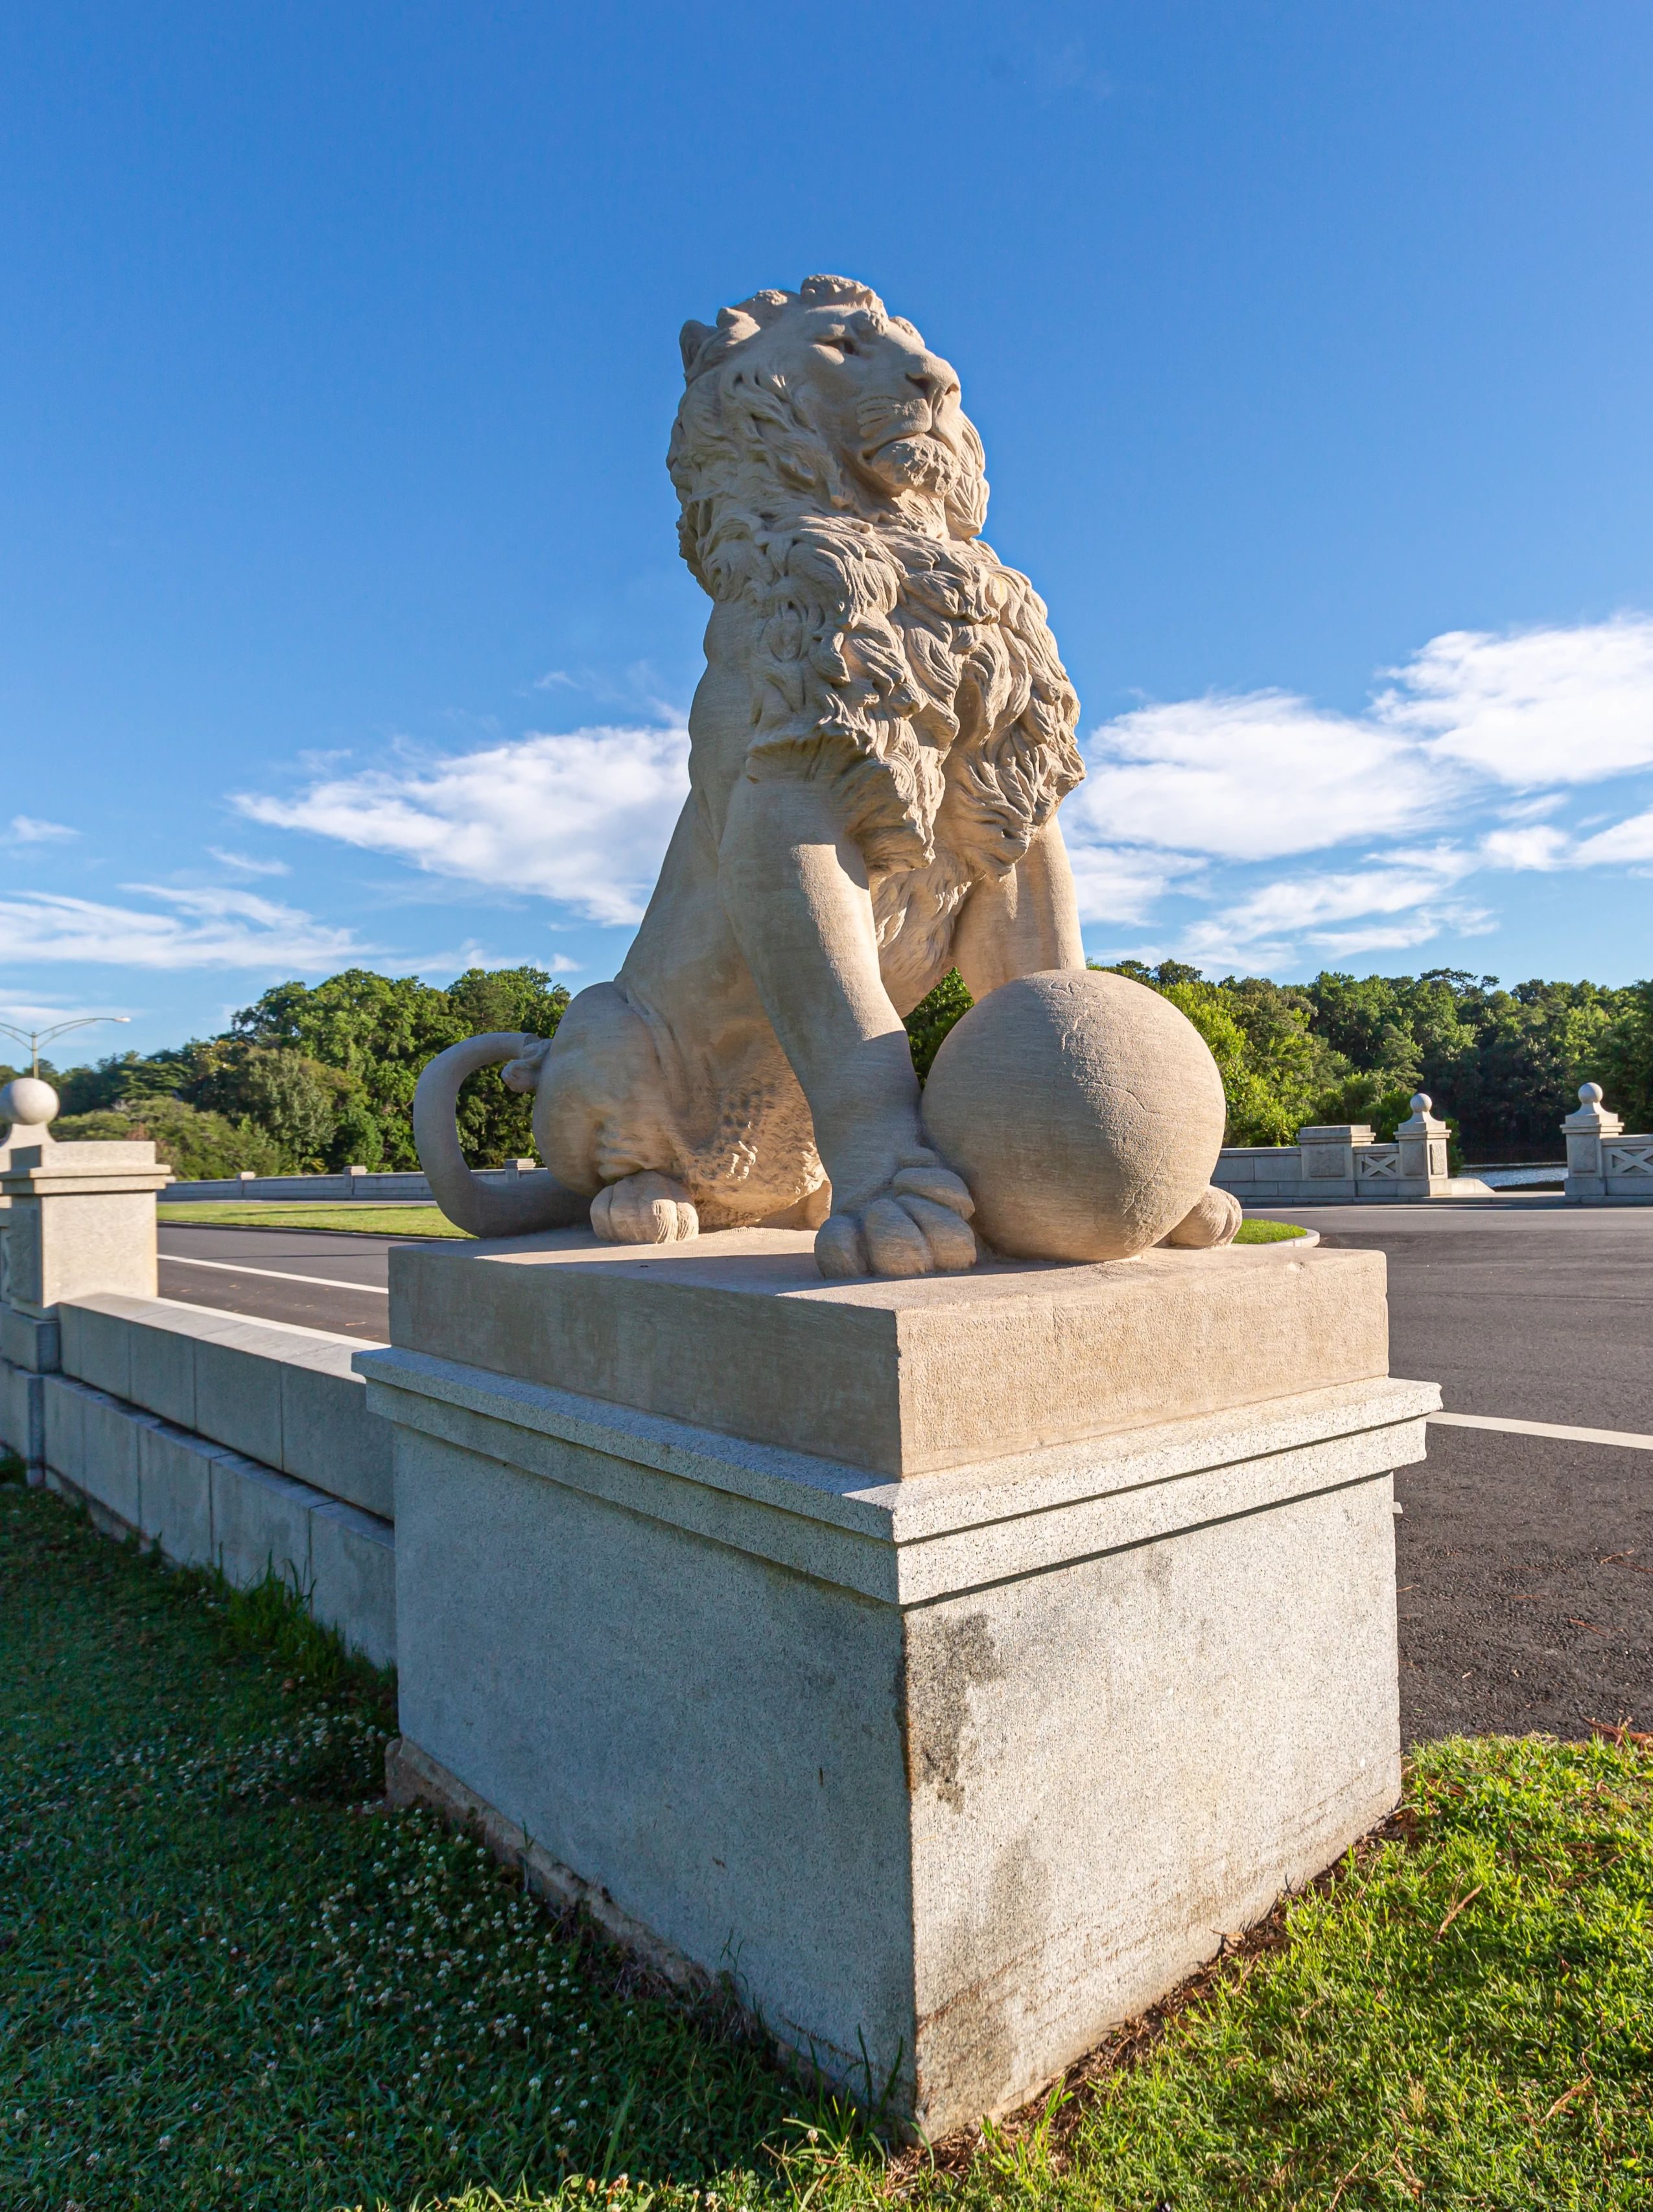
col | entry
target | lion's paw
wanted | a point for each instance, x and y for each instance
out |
(918, 1225)
(644, 1209)
(1212, 1220)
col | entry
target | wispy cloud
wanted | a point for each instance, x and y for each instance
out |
(1117, 884)
(583, 819)
(1626, 843)
(42, 1014)
(192, 929)
(24, 830)
(244, 864)
(471, 954)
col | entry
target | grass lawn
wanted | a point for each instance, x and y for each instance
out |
(1267, 1232)
(228, 1978)
(365, 1220)
(354, 1214)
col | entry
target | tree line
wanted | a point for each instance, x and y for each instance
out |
(313, 1077)
(321, 1075)
(1503, 1065)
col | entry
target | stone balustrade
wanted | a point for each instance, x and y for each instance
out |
(1342, 1163)
(242, 1445)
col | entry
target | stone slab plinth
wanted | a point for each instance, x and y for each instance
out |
(953, 1663)
(739, 1332)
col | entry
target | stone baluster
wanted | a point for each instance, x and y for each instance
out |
(1585, 1130)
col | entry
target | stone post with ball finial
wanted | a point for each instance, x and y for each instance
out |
(1423, 1140)
(1585, 1130)
(77, 1218)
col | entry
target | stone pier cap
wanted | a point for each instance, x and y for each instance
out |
(737, 1333)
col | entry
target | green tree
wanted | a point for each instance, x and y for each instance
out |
(1621, 1060)
(931, 1019)
(193, 1144)
(380, 1030)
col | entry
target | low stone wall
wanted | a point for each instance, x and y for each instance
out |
(235, 1444)
(1341, 1163)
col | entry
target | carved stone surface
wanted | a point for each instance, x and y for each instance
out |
(1085, 1113)
(880, 743)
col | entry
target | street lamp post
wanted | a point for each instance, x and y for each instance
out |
(35, 1038)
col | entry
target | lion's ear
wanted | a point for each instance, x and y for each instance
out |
(692, 337)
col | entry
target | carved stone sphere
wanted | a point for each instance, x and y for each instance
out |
(27, 1103)
(1084, 1111)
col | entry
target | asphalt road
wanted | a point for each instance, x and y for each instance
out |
(311, 1277)
(1526, 1563)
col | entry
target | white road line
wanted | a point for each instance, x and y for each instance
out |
(278, 1275)
(1627, 1438)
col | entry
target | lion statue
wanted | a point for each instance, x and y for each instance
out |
(878, 747)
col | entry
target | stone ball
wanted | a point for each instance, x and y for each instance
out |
(27, 1103)
(1084, 1111)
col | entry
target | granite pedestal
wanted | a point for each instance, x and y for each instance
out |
(951, 1663)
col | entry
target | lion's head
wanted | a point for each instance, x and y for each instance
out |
(832, 487)
(819, 398)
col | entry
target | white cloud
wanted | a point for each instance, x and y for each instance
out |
(203, 929)
(1116, 884)
(471, 954)
(1543, 845)
(583, 818)
(24, 830)
(32, 1014)
(1215, 787)
(244, 864)
(1402, 900)
(1251, 777)
(1557, 706)
(1259, 776)
(1626, 843)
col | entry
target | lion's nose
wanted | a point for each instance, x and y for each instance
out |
(933, 379)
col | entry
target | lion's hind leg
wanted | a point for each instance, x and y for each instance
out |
(648, 1208)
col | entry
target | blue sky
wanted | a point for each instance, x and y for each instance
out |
(340, 611)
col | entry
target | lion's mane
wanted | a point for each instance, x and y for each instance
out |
(897, 652)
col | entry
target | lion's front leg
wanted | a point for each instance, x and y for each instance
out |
(1024, 923)
(795, 887)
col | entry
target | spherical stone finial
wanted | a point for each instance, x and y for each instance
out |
(1421, 1102)
(27, 1103)
(1084, 1111)
(1590, 1094)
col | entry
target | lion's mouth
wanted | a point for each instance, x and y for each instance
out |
(882, 420)
(913, 462)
